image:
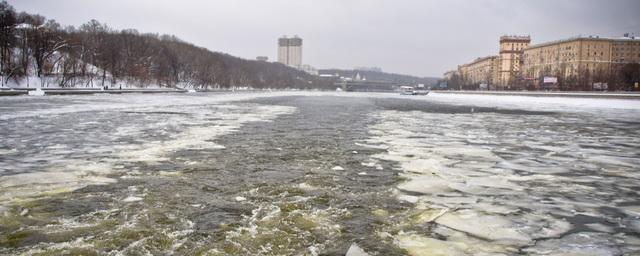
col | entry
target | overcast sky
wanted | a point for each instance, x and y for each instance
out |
(416, 37)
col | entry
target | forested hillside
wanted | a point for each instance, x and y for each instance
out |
(39, 51)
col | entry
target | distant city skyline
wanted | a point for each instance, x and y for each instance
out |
(423, 38)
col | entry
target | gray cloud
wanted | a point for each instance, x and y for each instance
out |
(415, 37)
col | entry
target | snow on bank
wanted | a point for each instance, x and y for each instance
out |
(555, 103)
(537, 103)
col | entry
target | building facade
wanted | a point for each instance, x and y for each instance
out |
(578, 63)
(290, 51)
(511, 52)
(309, 69)
(580, 60)
(449, 74)
(481, 71)
(497, 72)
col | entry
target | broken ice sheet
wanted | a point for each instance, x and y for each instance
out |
(512, 180)
(584, 244)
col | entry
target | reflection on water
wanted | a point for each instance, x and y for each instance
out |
(255, 174)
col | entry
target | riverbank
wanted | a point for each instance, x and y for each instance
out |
(86, 91)
(80, 91)
(602, 95)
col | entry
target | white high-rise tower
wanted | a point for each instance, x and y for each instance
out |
(290, 51)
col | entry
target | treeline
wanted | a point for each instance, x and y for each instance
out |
(93, 54)
(620, 77)
(381, 76)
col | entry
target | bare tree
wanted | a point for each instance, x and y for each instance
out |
(8, 21)
(94, 51)
(44, 41)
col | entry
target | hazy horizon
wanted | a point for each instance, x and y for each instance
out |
(422, 38)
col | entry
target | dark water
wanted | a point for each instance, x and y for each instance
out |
(292, 175)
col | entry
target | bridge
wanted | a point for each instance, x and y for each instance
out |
(369, 86)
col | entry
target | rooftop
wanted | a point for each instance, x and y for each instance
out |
(480, 60)
(515, 38)
(594, 38)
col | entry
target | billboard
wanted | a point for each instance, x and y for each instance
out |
(549, 80)
(601, 86)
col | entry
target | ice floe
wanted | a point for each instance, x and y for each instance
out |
(424, 246)
(131, 199)
(355, 250)
(501, 183)
(584, 244)
(58, 166)
(491, 227)
(33, 184)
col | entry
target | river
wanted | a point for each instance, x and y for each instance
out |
(318, 173)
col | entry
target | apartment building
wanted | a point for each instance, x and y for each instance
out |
(500, 71)
(511, 51)
(290, 51)
(591, 59)
(481, 71)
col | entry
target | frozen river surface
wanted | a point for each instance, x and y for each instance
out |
(301, 173)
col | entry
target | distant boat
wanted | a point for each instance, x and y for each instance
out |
(409, 90)
(406, 90)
